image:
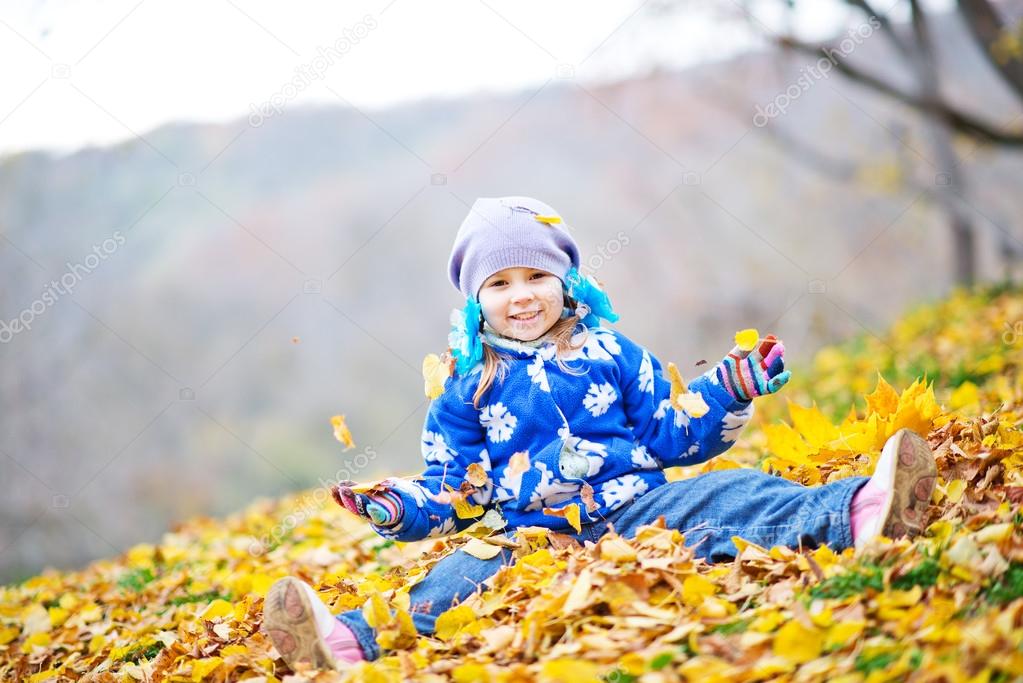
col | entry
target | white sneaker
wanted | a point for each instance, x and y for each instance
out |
(903, 482)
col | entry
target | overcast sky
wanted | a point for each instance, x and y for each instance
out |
(94, 72)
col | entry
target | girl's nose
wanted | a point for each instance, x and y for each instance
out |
(523, 293)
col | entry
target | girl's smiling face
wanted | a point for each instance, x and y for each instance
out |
(522, 303)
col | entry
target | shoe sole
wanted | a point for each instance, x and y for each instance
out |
(289, 622)
(915, 475)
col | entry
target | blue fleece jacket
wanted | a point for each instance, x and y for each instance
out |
(606, 422)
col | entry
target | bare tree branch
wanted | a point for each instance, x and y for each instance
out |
(987, 28)
(960, 121)
(886, 26)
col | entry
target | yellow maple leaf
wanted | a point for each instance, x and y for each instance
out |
(202, 668)
(883, 400)
(375, 611)
(842, 633)
(785, 442)
(695, 588)
(341, 432)
(917, 409)
(569, 671)
(452, 621)
(217, 608)
(797, 643)
(812, 425)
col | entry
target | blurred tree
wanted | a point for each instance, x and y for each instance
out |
(995, 34)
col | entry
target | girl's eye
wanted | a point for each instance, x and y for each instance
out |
(495, 283)
(539, 275)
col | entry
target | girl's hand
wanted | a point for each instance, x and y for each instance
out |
(748, 374)
(383, 508)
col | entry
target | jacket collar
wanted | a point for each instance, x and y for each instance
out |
(522, 349)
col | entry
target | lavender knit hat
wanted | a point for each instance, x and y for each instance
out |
(509, 232)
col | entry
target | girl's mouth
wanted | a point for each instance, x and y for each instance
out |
(526, 318)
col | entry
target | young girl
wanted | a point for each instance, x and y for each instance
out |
(558, 411)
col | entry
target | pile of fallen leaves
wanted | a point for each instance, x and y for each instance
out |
(947, 606)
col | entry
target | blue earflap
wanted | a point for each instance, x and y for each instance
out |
(590, 297)
(464, 338)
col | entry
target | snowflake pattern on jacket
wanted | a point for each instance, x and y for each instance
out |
(608, 423)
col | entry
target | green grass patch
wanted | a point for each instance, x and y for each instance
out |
(924, 575)
(137, 654)
(849, 583)
(731, 627)
(208, 596)
(1008, 587)
(878, 662)
(136, 579)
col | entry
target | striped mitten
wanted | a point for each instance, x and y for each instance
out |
(383, 508)
(748, 374)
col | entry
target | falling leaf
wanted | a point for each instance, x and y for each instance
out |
(341, 432)
(678, 385)
(435, 372)
(549, 220)
(295, 340)
(692, 403)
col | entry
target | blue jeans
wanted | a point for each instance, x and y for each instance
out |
(748, 503)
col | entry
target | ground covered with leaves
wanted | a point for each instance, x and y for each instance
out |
(947, 606)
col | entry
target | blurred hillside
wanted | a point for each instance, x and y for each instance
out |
(263, 278)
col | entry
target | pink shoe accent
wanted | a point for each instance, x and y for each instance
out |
(343, 645)
(866, 504)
